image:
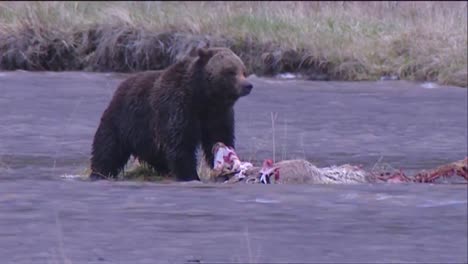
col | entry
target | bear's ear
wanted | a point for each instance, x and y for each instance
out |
(205, 54)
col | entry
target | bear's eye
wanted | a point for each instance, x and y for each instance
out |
(230, 72)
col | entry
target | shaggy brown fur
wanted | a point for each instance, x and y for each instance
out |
(162, 116)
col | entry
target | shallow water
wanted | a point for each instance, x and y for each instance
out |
(48, 119)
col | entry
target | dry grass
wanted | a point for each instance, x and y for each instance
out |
(339, 40)
(135, 172)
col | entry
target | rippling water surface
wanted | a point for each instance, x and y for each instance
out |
(47, 122)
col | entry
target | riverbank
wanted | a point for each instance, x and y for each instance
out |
(423, 41)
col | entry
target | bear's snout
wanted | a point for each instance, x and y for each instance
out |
(246, 88)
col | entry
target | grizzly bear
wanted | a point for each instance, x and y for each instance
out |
(161, 117)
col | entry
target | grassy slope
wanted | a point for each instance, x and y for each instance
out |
(344, 41)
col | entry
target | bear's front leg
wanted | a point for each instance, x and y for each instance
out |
(217, 128)
(108, 156)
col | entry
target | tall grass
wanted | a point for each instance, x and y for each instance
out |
(338, 40)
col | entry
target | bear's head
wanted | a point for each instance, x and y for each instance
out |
(224, 74)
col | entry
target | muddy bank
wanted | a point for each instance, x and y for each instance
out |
(124, 49)
(423, 41)
(106, 48)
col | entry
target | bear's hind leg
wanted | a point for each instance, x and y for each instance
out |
(108, 156)
(184, 165)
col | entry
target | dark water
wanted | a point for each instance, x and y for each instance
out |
(47, 121)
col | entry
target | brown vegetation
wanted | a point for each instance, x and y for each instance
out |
(322, 40)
